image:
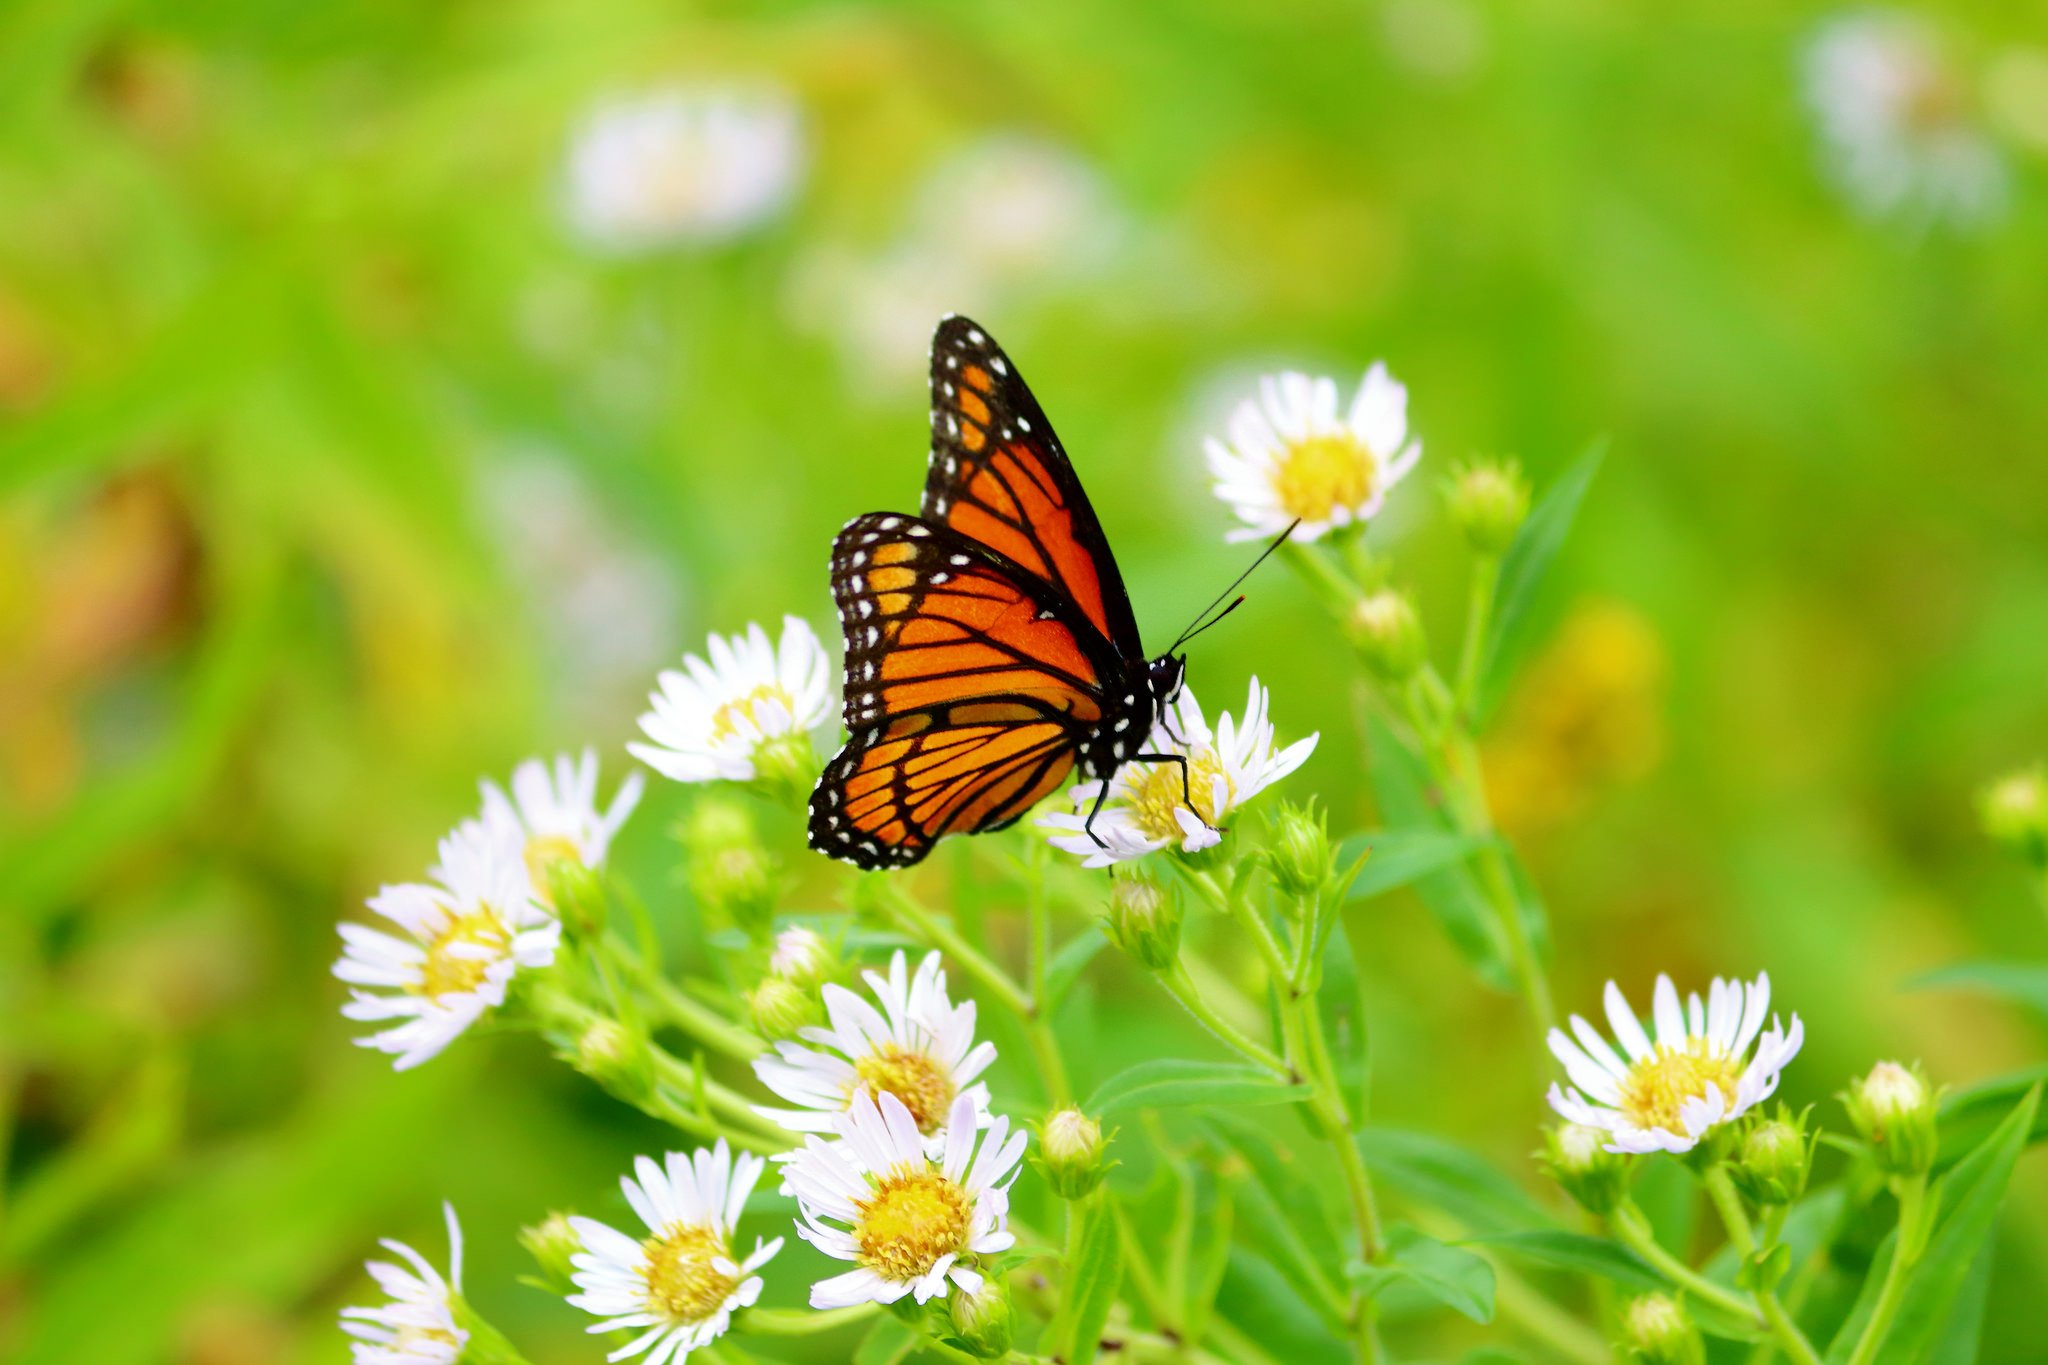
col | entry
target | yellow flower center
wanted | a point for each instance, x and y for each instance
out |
(1319, 474)
(727, 719)
(446, 972)
(543, 851)
(409, 1336)
(926, 1090)
(1658, 1085)
(682, 1283)
(1159, 793)
(912, 1219)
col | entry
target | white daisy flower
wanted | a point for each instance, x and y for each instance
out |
(555, 813)
(1147, 806)
(715, 719)
(1698, 1074)
(677, 165)
(1292, 454)
(918, 1047)
(418, 1326)
(681, 1282)
(467, 932)
(1899, 122)
(909, 1221)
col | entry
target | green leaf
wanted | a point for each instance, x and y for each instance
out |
(1341, 1010)
(2024, 983)
(1398, 857)
(1454, 1277)
(1968, 1114)
(1258, 1300)
(1558, 1249)
(1094, 1276)
(1208, 1257)
(1296, 1229)
(1938, 1289)
(1448, 1177)
(888, 1342)
(1522, 570)
(1069, 962)
(1170, 1082)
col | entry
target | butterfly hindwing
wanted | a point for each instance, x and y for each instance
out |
(1000, 477)
(969, 691)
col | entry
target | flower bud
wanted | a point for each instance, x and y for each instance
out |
(2014, 810)
(1144, 917)
(785, 768)
(982, 1321)
(1772, 1163)
(1299, 852)
(551, 1242)
(1657, 1329)
(578, 897)
(1893, 1109)
(1388, 635)
(1576, 1157)
(782, 1009)
(1070, 1148)
(1488, 500)
(615, 1057)
(802, 957)
(731, 875)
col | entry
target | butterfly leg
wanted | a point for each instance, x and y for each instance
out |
(1088, 825)
(1187, 794)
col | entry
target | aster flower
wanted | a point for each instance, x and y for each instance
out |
(910, 1222)
(679, 165)
(1709, 1064)
(1898, 121)
(1147, 809)
(722, 717)
(1292, 454)
(466, 933)
(555, 813)
(918, 1047)
(418, 1326)
(681, 1282)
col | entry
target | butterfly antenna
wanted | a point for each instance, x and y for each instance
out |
(1203, 620)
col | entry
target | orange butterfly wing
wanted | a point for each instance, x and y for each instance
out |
(1000, 477)
(968, 692)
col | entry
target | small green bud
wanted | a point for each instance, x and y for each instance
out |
(782, 1009)
(1488, 500)
(1774, 1159)
(731, 875)
(1893, 1109)
(551, 1242)
(2014, 811)
(982, 1321)
(1299, 852)
(1575, 1155)
(1144, 917)
(1656, 1328)
(785, 769)
(802, 957)
(578, 897)
(1070, 1149)
(615, 1057)
(1388, 635)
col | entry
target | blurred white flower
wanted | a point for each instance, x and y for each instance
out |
(1901, 133)
(554, 813)
(1018, 208)
(680, 1282)
(677, 165)
(418, 1326)
(911, 1223)
(714, 719)
(1698, 1074)
(602, 600)
(919, 1047)
(1147, 806)
(467, 932)
(1292, 454)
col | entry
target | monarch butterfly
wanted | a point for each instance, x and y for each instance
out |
(990, 646)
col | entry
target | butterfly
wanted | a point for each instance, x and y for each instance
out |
(990, 645)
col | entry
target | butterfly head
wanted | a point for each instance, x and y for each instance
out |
(1166, 675)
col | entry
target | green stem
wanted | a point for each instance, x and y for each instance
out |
(700, 1021)
(1914, 1208)
(1182, 987)
(1721, 1189)
(684, 1080)
(1727, 1203)
(938, 934)
(1633, 1230)
(1052, 1067)
(1478, 617)
(486, 1345)
(1247, 917)
(800, 1322)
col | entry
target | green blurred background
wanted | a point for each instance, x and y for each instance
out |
(339, 470)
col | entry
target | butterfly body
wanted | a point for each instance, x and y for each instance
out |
(990, 646)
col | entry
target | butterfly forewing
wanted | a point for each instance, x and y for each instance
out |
(1000, 477)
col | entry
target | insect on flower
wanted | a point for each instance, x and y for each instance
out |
(990, 645)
